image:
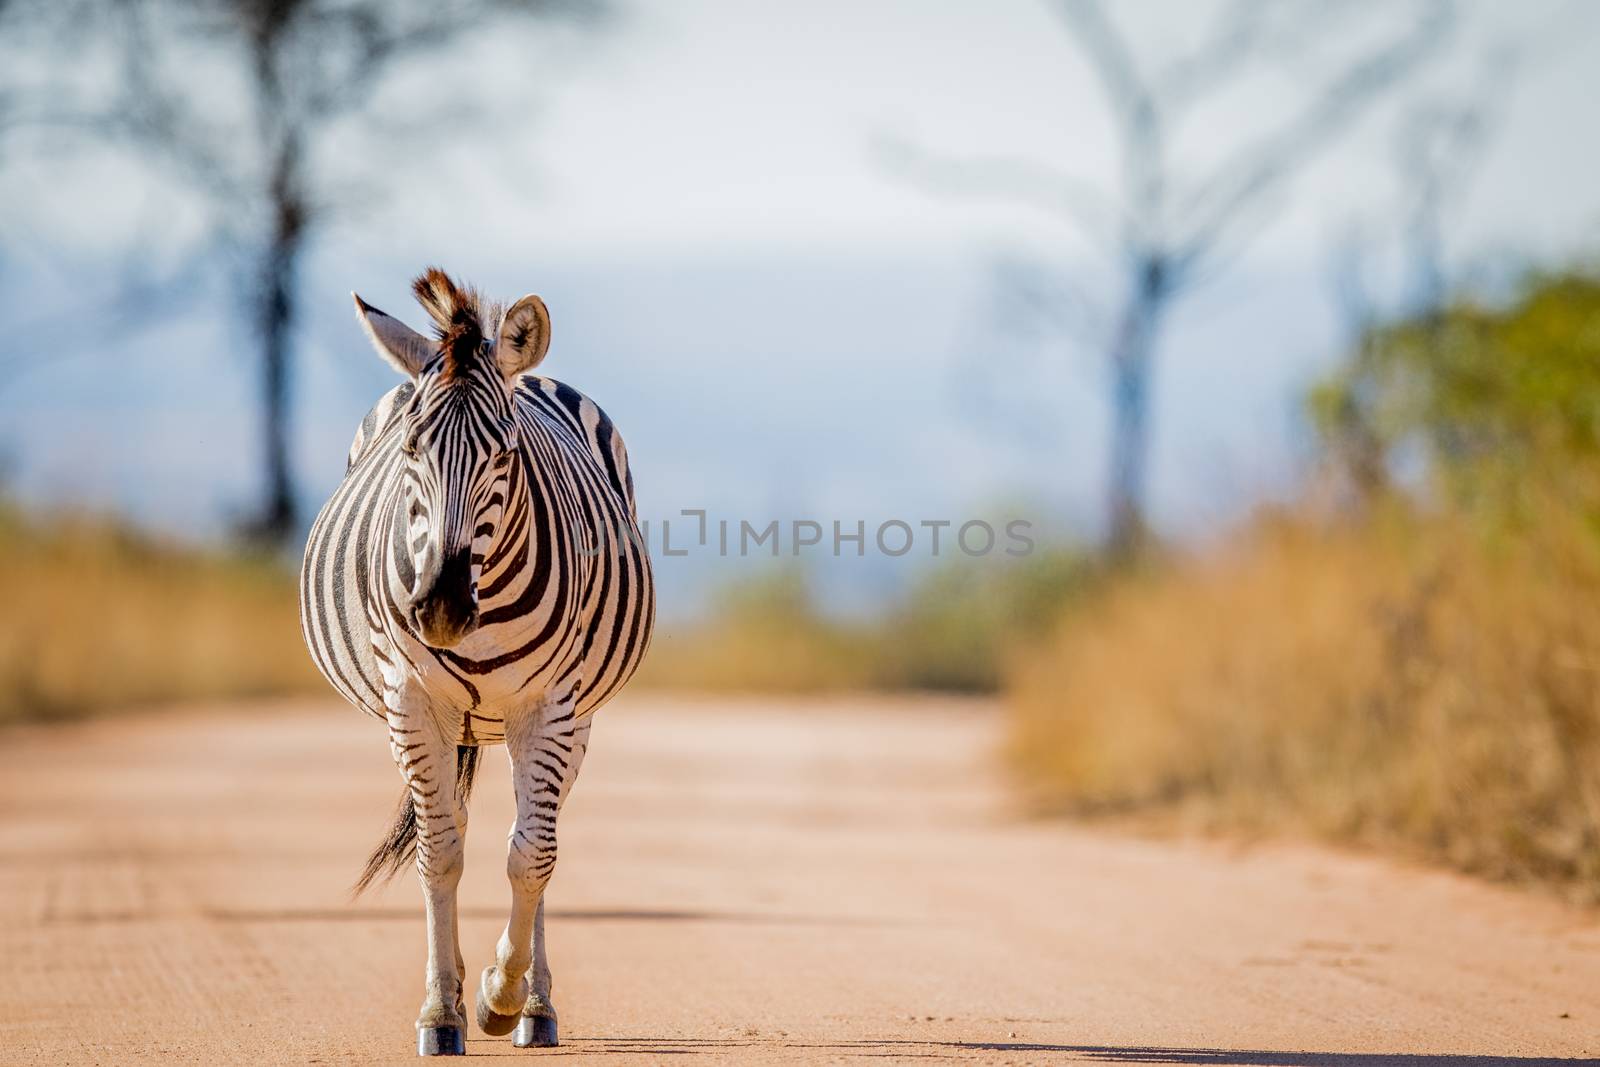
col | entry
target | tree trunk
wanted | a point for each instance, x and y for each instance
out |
(274, 305)
(1131, 355)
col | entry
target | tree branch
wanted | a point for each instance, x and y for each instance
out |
(1108, 53)
(1239, 30)
(1021, 180)
(1138, 117)
(1254, 170)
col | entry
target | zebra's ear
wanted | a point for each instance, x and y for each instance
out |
(405, 350)
(524, 336)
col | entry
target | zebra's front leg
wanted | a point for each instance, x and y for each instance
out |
(425, 749)
(546, 746)
(537, 1027)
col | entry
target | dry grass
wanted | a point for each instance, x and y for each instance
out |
(952, 631)
(99, 617)
(763, 636)
(1414, 684)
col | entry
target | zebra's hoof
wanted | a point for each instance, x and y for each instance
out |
(441, 1041)
(492, 1022)
(535, 1031)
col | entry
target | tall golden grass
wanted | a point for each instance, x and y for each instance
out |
(101, 617)
(1413, 682)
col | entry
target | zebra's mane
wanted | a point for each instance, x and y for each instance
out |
(462, 318)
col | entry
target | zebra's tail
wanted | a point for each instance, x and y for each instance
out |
(399, 848)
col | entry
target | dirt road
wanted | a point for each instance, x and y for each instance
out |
(739, 883)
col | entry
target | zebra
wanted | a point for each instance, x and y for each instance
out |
(477, 578)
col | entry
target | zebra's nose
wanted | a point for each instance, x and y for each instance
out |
(445, 609)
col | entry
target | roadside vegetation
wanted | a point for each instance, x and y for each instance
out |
(101, 617)
(105, 617)
(956, 629)
(1410, 659)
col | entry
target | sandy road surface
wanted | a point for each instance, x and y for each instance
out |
(738, 884)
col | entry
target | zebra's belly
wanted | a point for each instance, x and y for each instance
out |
(333, 622)
(474, 694)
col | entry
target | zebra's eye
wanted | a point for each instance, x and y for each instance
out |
(408, 445)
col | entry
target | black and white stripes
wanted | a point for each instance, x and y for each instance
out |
(476, 578)
(528, 477)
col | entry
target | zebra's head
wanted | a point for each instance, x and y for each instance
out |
(458, 437)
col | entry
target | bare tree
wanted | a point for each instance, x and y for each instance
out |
(1169, 227)
(242, 100)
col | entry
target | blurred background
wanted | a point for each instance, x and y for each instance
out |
(1276, 324)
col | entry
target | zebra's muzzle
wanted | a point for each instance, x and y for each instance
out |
(444, 610)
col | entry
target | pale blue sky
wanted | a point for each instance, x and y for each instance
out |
(779, 325)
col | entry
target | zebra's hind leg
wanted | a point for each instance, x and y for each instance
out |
(427, 758)
(546, 748)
